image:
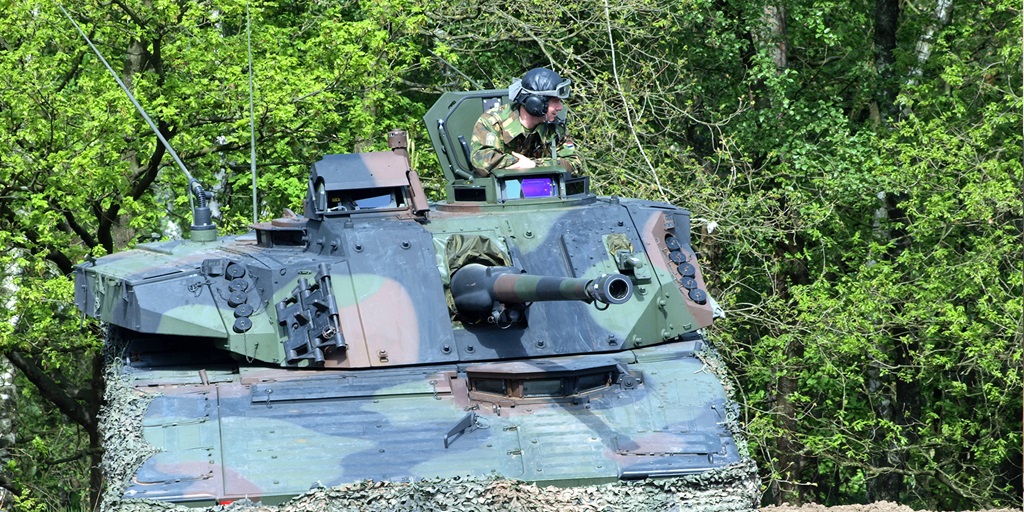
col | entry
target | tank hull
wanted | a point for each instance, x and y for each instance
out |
(236, 432)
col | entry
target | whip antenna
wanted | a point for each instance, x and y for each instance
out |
(252, 116)
(203, 229)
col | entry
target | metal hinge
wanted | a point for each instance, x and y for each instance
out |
(309, 318)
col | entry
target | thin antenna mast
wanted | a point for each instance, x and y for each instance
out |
(252, 115)
(203, 229)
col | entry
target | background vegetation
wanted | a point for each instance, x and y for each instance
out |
(854, 168)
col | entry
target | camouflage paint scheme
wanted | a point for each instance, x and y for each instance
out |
(499, 132)
(322, 349)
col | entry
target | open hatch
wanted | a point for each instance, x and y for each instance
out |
(450, 124)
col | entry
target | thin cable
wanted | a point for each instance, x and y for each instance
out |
(625, 106)
(252, 115)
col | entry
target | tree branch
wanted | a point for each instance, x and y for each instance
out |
(131, 13)
(52, 390)
(80, 454)
(58, 258)
(77, 228)
(9, 484)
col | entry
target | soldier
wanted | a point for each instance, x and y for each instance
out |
(528, 132)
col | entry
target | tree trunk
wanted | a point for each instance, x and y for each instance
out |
(793, 463)
(908, 395)
(94, 403)
(887, 13)
(361, 143)
(886, 486)
(775, 22)
(790, 456)
(789, 450)
(7, 431)
(940, 18)
(894, 401)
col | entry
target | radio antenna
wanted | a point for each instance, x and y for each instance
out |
(203, 229)
(252, 115)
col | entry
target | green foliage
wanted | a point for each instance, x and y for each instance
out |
(86, 176)
(27, 502)
(867, 253)
(874, 276)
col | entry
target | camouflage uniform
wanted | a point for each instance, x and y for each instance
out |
(499, 132)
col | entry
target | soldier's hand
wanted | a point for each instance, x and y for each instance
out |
(523, 163)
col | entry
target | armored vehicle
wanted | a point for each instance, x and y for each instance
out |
(524, 329)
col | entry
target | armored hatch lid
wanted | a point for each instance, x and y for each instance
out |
(360, 171)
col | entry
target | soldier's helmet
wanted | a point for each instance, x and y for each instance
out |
(534, 89)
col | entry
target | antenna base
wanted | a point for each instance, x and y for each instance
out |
(203, 229)
(203, 233)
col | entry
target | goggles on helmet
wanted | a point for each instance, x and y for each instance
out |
(562, 91)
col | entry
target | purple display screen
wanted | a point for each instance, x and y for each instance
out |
(536, 187)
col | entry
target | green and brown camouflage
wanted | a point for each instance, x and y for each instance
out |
(499, 132)
(523, 329)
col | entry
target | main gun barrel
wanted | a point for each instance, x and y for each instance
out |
(481, 289)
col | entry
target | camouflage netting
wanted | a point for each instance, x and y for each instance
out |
(713, 362)
(733, 488)
(120, 423)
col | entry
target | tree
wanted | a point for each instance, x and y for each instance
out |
(883, 214)
(7, 420)
(85, 176)
(854, 171)
(809, 141)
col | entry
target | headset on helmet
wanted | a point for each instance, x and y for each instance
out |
(534, 89)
